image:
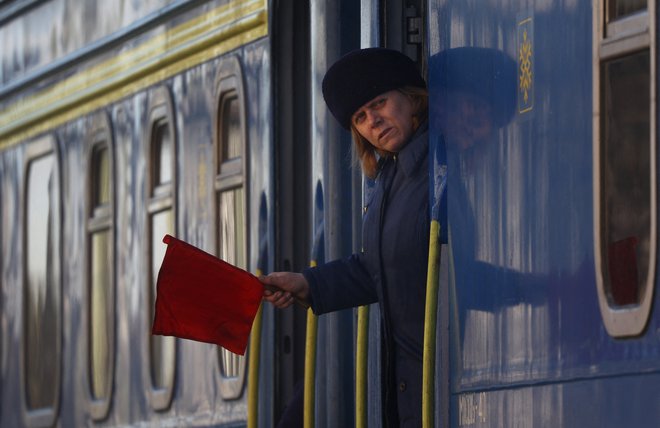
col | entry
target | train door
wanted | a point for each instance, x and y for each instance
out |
(335, 31)
(399, 25)
(551, 207)
(319, 213)
(290, 51)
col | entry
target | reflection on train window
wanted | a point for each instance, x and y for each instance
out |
(620, 8)
(232, 227)
(162, 154)
(101, 275)
(101, 321)
(230, 205)
(42, 296)
(231, 231)
(101, 180)
(625, 163)
(626, 176)
(161, 221)
(231, 129)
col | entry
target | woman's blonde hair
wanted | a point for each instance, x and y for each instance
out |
(365, 154)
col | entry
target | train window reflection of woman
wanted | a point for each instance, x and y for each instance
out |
(379, 94)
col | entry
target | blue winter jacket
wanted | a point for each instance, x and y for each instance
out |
(390, 269)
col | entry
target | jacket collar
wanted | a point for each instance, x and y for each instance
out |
(410, 158)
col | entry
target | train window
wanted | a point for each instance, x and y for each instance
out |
(625, 141)
(625, 170)
(619, 8)
(100, 176)
(100, 268)
(231, 131)
(42, 298)
(3, 334)
(230, 206)
(161, 221)
(162, 154)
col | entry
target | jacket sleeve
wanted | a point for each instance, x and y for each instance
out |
(340, 284)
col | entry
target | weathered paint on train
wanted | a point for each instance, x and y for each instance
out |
(528, 346)
(32, 69)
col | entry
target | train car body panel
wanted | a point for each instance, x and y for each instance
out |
(163, 51)
(595, 402)
(528, 340)
(334, 32)
(134, 86)
(38, 39)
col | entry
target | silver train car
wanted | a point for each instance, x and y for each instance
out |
(121, 122)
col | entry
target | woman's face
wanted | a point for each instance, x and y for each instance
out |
(386, 121)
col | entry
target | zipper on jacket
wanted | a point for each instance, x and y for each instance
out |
(390, 395)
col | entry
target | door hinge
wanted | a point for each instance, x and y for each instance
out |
(414, 26)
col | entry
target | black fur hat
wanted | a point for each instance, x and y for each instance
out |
(362, 75)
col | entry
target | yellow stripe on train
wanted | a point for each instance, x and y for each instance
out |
(185, 46)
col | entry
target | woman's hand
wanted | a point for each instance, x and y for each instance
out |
(284, 288)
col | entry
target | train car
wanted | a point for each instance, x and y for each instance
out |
(123, 121)
(551, 303)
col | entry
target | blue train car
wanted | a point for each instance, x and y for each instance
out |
(552, 192)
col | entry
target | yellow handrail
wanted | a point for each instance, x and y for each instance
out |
(310, 366)
(430, 319)
(253, 368)
(361, 354)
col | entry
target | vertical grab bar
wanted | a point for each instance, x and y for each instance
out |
(255, 334)
(430, 323)
(318, 255)
(437, 186)
(361, 352)
(310, 366)
(253, 367)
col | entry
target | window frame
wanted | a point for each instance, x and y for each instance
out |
(99, 135)
(228, 175)
(3, 333)
(616, 39)
(158, 198)
(40, 147)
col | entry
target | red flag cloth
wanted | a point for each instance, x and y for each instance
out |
(204, 298)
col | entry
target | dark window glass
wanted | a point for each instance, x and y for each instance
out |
(626, 176)
(163, 152)
(231, 139)
(621, 8)
(101, 177)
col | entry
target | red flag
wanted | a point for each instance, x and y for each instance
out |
(204, 298)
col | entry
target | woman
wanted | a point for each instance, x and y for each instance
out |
(380, 96)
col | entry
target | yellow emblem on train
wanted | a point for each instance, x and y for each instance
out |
(525, 65)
